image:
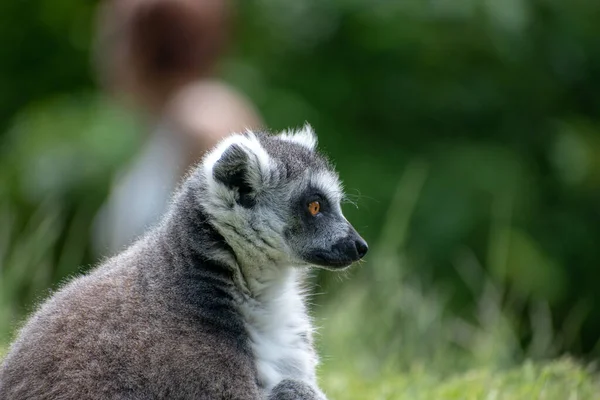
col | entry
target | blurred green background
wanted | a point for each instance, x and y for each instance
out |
(467, 132)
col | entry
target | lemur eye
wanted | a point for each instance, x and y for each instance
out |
(314, 207)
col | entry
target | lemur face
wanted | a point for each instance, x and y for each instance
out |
(277, 201)
(318, 232)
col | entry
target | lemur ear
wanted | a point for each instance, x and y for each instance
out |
(241, 169)
(304, 136)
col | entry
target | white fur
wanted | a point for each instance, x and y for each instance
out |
(258, 157)
(305, 137)
(329, 184)
(276, 318)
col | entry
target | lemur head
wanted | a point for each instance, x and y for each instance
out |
(275, 200)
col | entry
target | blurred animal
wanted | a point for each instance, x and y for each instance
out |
(209, 304)
(147, 50)
(158, 57)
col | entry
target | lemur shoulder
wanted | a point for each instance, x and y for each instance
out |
(209, 304)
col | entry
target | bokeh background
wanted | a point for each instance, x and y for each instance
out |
(467, 134)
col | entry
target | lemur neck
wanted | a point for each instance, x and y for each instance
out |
(199, 242)
(190, 234)
(266, 282)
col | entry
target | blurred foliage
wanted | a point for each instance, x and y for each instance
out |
(497, 99)
(56, 165)
(44, 48)
(468, 130)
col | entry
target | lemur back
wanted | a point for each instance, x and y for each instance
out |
(208, 304)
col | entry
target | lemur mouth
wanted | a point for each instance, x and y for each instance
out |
(332, 260)
(331, 264)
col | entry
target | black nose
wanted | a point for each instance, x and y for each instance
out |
(361, 247)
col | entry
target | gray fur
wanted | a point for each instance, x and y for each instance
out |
(291, 389)
(192, 309)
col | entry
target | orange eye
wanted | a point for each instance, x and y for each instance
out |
(314, 207)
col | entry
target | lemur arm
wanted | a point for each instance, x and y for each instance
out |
(293, 389)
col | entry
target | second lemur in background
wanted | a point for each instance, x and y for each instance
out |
(158, 60)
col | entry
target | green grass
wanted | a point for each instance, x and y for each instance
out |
(562, 379)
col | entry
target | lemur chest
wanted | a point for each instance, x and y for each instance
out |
(280, 336)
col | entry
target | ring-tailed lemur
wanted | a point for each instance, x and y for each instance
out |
(209, 304)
